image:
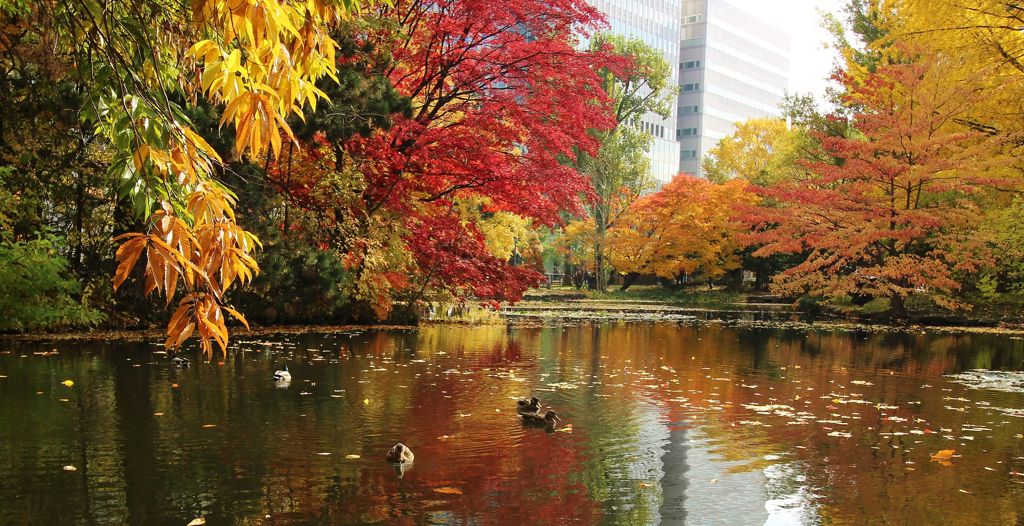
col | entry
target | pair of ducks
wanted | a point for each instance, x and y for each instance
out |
(529, 411)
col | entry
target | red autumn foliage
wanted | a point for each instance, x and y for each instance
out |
(502, 97)
(895, 214)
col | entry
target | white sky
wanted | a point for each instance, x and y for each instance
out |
(810, 64)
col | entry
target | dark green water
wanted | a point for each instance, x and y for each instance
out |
(663, 424)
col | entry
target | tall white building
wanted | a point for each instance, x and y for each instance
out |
(657, 23)
(732, 67)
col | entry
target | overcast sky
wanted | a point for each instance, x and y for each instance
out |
(810, 63)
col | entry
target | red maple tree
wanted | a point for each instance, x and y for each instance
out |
(502, 97)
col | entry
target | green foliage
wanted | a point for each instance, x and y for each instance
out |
(35, 292)
(298, 284)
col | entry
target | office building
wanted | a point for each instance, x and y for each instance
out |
(657, 23)
(732, 67)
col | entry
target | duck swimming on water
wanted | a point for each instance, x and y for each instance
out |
(524, 406)
(282, 375)
(400, 453)
(548, 420)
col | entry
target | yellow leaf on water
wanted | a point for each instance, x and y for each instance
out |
(198, 521)
(944, 454)
(207, 426)
(448, 491)
(366, 401)
(352, 456)
(158, 414)
(566, 429)
(70, 468)
(68, 383)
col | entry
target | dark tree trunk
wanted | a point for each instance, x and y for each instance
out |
(628, 280)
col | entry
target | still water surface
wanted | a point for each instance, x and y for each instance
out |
(663, 423)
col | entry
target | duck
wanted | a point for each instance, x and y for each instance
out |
(400, 453)
(534, 419)
(282, 375)
(524, 406)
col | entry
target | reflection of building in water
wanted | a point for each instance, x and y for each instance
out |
(715, 494)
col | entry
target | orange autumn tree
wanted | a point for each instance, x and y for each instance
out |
(143, 66)
(685, 228)
(897, 212)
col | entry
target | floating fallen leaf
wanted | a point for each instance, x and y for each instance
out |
(712, 481)
(198, 521)
(448, 491)
(566, 429)
(324, 453)
(351, 456)
(944, 454)
(68, 383)
(70, 468)
(158, 414)
(366, 401)
(207, 426)
(174, 386)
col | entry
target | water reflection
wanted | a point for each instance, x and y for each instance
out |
(663, 423)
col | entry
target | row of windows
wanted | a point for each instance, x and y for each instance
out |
(690, 64)
(689, 109)
(653, 129)
(693, 19)
(691, 86)
(685, 132)
(689, 154)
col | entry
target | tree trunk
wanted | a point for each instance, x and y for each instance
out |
(600, 228)
(897, 307)
(628, 280)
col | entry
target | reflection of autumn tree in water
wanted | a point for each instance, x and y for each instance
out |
(447, 392)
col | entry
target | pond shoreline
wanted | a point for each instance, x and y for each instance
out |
(524, 319)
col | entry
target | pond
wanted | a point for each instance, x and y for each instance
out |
(662, 423)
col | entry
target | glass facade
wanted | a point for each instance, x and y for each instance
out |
(657, 23)
(738, 67)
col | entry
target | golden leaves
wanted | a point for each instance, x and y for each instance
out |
(208, 256)
(282, 48)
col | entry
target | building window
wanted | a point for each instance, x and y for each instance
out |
(690, 109)
(692, 86)
(691, 64)
(687, 132)
(691, 42)
(693, 19)
(689, 154)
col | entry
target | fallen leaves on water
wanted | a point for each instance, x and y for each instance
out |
(366, 401)
(207, 426)
(351, 456)
(198, 521)
(68, 383)
(448, 491)
(324, 453)
(565, 429)
(70, 468)
(174, 386)
(158, 414)
(944, 457)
